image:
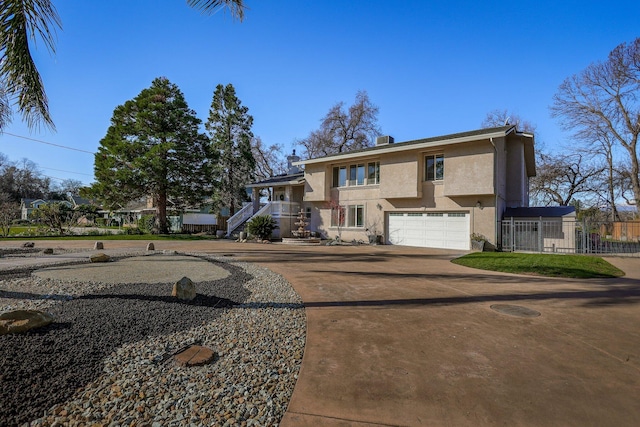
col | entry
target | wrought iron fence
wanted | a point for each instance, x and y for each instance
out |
(569, 236)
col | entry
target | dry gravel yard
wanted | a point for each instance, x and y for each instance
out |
(106, 358)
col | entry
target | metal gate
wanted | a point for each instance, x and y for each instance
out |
(569, 236)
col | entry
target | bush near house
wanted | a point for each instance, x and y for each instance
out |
(262, 226)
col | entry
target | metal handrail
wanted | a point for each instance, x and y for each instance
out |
(239, 217)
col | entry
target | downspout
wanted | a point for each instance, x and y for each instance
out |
(495, 191)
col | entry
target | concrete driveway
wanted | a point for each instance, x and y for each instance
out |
(401, 336)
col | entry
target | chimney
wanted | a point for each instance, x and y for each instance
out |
(291, 170)
(384, 140)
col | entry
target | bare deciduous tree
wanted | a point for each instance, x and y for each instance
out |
(269, 159)
(497, 118)
(561, 178)
(604, 99)
(344, 130)
(9, 210)
(68, 186)
(22, 179)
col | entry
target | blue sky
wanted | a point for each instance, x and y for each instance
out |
(432, 68)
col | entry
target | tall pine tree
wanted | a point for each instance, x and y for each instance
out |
(229, 128)
(153, 148)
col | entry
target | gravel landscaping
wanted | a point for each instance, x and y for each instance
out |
(107, 359)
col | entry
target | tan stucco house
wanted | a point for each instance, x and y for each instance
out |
(432, 192)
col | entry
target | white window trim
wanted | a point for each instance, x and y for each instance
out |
(351, 183)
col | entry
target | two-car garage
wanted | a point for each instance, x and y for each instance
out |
(446, 230)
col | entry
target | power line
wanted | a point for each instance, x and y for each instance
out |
(54, 177)
(60, 170)
(49, 143)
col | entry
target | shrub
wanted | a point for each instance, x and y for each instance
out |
(147, 224)
(132, 231)
(262, 226)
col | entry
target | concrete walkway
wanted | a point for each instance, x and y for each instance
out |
(401, 336)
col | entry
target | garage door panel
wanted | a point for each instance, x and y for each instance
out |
(447, 230)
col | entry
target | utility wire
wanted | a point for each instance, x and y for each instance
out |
(53, 177)
(49, 143)
(60, 170)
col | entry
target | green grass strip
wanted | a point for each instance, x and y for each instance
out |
(551, 265)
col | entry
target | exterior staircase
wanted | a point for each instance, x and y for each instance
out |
(239, 219)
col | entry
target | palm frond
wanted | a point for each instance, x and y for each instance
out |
(5, 108)
(22, 21)
(209, 7)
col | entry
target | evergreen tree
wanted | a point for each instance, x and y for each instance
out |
(153, 148)
(229, 128)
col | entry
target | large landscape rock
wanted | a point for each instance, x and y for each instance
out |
(98, 246)
(184, 289)
(18, 321)
(195, 355)
(100, 257)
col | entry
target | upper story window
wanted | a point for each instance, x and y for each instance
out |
(339, 176)
(434, 167)
(357, 174)
(373, 173)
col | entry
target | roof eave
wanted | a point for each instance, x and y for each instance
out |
(402, 146)
(275, 184)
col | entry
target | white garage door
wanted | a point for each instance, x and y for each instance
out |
(446, 230)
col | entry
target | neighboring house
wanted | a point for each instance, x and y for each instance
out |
(186, 220)
(130, 213)
(432, 192)
(77, 201)
(27, 206)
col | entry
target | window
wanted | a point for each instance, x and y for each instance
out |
(434, 167)
(373, 175)
(308, 213)
(337, 216)
(358, 174)
(356, 216)
(340, 176)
